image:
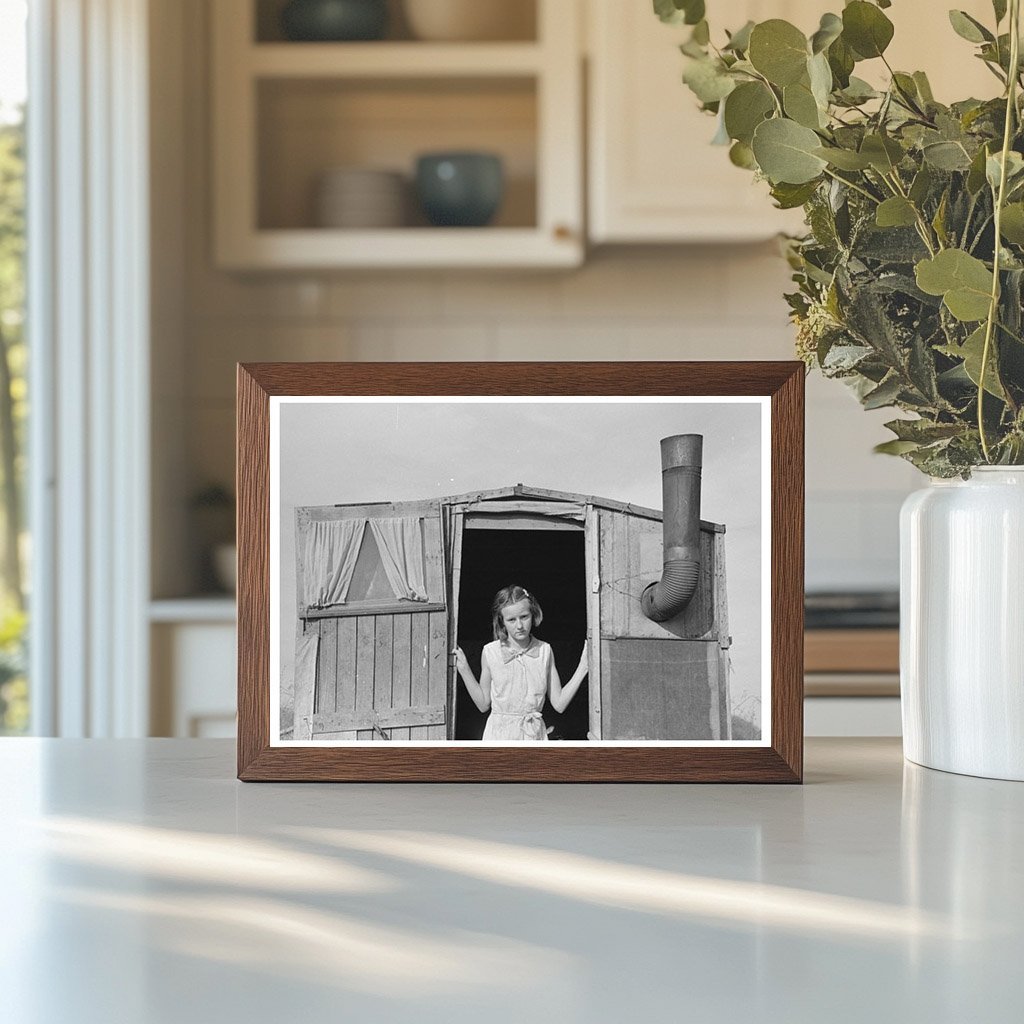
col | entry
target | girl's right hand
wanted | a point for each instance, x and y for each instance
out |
(460, 660)
(584, 665)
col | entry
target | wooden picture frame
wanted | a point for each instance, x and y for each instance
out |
(263, 753)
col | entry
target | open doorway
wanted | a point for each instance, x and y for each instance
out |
(551, 565)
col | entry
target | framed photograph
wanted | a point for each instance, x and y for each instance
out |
(510, 572)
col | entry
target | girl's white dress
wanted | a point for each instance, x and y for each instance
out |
(519, 684)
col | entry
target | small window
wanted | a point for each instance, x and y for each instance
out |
(369, 581)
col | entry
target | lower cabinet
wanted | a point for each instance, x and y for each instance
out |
(193, 670)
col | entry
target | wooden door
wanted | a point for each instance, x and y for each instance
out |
(381, 662)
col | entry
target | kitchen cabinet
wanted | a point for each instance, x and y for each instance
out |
(193, 654)
(653, 175)
(287, 113)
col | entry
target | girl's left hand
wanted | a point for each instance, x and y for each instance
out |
(584, 664)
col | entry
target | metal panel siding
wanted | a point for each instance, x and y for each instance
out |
(659, 689)
(631, 558)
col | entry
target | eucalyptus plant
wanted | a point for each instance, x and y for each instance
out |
(910, 278)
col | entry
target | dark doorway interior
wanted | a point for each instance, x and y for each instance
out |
(551, 565)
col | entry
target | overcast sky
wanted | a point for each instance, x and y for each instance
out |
(344, 452)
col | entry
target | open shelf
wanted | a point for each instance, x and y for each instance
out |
(306, 128)
(286, 114)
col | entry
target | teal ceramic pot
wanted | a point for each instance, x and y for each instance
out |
(460, 189)
(334, 20)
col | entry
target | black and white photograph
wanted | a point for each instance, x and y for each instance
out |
(520, 570)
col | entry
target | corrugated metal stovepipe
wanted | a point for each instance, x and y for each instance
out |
(681, 458)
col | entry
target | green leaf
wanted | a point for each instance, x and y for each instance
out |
(883, 153)
(1014, 169)
(924, 88)
(820, 76)
(963, 281)
(721, 136)
(971, 352)
(676, 12)
(742, 155)
(921, 185)
(789, 197)
(800, 105)
(976, 174)
(785, 152)
(829, 30)
(968, 28)
(866, 29)
(939, 220)
(885, 394)
(946, 156)
(999, 7)
(745, 108)
(701, 33)
(739, 41)
(708, 81)
(1011, 226)
(858, 91)
(841, 60)
(895, 447)
(844, 159)
(896, 212)
(778, 50)
(923, 431)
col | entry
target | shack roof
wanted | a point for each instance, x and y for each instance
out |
(545, 494)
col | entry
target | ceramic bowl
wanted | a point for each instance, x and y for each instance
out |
(359, 197)
(471, 20)
(460, 189)
(334, 20)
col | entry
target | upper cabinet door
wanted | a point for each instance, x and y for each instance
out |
(654, 175)
(302, 131)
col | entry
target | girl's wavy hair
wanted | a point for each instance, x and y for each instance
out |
(512, 595)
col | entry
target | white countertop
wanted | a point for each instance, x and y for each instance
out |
(143, 884)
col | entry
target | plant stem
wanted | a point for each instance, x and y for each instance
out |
(993, 309)
(922, 225)
(855, 187)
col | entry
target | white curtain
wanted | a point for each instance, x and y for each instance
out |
(329, 561)
(331, 550)
(400, 542)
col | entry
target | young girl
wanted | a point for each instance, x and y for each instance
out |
(517, 671)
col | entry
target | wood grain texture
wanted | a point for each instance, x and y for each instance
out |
(257, 761)
(787, 502)
(852, 650)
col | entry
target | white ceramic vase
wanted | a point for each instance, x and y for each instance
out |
(962, 624)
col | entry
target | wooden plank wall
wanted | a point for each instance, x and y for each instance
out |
(388, 661)
(631, 558)
(383, 662)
